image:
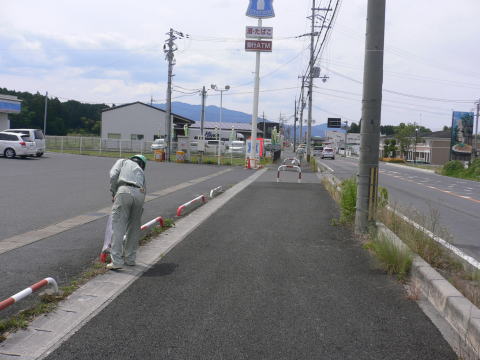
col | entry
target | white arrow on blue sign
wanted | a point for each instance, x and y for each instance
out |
(260, 9)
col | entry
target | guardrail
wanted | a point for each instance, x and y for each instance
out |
(191, 202)
(24, 293)
(286, 168)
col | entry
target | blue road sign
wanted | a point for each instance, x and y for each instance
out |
(260, 9)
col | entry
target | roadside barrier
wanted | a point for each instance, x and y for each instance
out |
(215, 191)
(107, 244)
(24, 293)
(293, 161)
(191, 202)
(152, 222)
(286, 168)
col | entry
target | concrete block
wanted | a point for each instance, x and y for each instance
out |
(424, 275)
(458, 311)
(440, 291)
(473, 335)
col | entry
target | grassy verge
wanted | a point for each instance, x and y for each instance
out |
(49, 302)
(394, 260)
(456, 169)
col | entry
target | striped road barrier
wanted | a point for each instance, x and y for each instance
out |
(198, 199)
(288, 167)
(24, 293)
(158, 220)
(215, 192)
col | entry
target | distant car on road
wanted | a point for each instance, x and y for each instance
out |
(15, 144)
(328, 153)
(36, 135)
(317, 150)
(159, 144)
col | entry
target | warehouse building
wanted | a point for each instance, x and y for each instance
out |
(139, 121)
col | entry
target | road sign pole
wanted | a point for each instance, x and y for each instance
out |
(255, 105)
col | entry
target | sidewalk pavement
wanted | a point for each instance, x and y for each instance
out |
(267, 276)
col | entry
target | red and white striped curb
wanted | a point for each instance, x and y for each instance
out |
(286, 167)
(215, 191)
(24, 293)
(184, 206)
(153, 222)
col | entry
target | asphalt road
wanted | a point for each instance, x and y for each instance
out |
(37, 192)
(266, 277)
(64, 256)
(456, 201)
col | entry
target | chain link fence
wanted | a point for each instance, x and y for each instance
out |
(97, 146)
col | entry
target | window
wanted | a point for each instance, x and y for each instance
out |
(136, 137)
(39, 134)
(114, 136)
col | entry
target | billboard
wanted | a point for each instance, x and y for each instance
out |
(12, 107)
(461, 135)
(334, 122)
(258, 45)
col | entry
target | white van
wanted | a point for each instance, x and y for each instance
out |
(36, 135)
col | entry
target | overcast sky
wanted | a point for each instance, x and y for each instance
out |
(112, 52)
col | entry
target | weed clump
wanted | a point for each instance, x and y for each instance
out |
(348, 200)
(393, 259)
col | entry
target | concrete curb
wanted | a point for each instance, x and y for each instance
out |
(409, 167)
(47, 332)
(458, 311)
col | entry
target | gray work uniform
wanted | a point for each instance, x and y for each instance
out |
(127, 184)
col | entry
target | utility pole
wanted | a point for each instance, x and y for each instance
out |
(310, 81)
(345, 143)
(169, 48)
(45, 115)
(371, 116)
(475, 149)
(263, 117)
(295, 127)
(302, 106)
(202, 115)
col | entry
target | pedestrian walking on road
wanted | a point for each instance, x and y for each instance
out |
(127, 185)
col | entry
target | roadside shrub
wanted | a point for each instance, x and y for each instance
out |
(452, 168)
(393, 160)
(473, 171)
(348, 200)
(394, 260)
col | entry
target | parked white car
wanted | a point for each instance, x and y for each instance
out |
(236, 147)
(159, 144)
(35, 135)
(14, 144)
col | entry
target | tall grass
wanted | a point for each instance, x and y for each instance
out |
(393, 259)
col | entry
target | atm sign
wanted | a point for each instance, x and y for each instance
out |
(258, 45)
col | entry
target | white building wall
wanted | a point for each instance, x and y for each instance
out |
(134, 119)
(4, 121)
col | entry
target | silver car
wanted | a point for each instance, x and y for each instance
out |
(159, 144)
(15, 144)
(328, 153)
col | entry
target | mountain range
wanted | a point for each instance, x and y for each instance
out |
(212, 113)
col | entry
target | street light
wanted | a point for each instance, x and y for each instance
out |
(216, 88)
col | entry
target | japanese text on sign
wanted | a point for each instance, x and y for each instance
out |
(258, 45)
(253, 32)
